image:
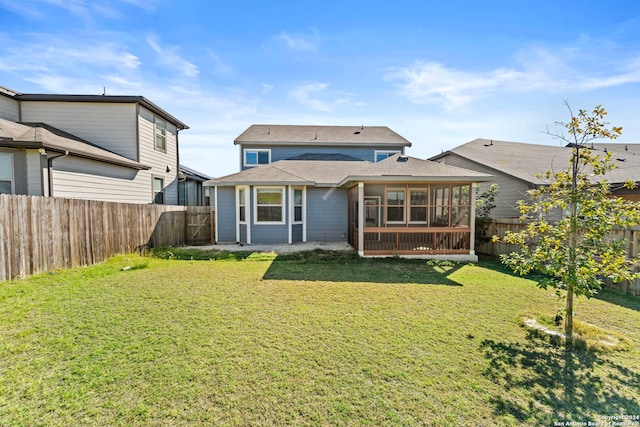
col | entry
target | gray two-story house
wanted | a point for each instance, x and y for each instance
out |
(344, 183)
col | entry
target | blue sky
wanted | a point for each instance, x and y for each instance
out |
(440, 73)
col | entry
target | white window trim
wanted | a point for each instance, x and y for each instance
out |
(13, 175)
(283, 205)
(257, 150)
(293, 205)
(409, 205)
(404, 206)
(392, 152)
(246, 203)
(246, 212)
(156, 133)
(153, 190)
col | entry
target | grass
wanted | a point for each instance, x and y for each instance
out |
(304, 339)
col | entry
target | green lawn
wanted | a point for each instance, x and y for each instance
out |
(301, 340)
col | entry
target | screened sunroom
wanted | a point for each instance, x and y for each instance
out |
(418, 218)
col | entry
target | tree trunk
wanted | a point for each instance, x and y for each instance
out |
(568, 322)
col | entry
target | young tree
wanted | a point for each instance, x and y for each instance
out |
(485, 203)
(576, 251)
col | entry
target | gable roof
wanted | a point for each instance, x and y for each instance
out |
(523, 161)
(338, 173)
(371, 136)
(42, 136)
(126, 99)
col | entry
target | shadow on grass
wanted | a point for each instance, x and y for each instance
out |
(337, 266)
(623, 300)
(545, 384)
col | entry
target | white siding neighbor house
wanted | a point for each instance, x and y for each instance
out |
(99, 147)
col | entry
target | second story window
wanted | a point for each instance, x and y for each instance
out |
(161, 134)
(256, 157)
(381, 155)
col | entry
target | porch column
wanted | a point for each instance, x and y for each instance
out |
(472, 218)
(361, 218)
(215, 215)
(291, 213)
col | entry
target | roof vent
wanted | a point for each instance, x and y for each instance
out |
(357, 132)
(489, 144)
(403, 158)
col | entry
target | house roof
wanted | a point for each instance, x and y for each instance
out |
(127, 99)
(193, 174)
(343, 172)
(523, 161)
(405, 168)
(42, 136)
(371, 136)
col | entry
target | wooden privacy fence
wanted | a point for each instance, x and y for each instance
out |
(500, 226)
(45, 233)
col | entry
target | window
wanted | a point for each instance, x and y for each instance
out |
(297, 205)
(418, 208)
(242, 205)
(207, 196)
(158, 191)
(161, 134)
(6, 173)
(395, 206)
(381, 155)
(269, 205)
(257, 157)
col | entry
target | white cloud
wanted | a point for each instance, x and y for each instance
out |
(310, 94)
(168, 56)
(58, 54)
(299, 42)
(539, 69)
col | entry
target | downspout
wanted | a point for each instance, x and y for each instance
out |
(50, 170)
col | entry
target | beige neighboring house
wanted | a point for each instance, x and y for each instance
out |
(514, 166)
(99, 147)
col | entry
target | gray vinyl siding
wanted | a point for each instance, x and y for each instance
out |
(226, 215)
(287, 152)
(158, 160)
(79, 178)
(269, 233)
(36, 168)
(327, 217)
(9, 109)
(243, 233)
(296, 233)
(111, 126)
(511, 189)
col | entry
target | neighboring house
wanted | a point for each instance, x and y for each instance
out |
(191, 192)
(514, 167)
(334, 190)
(100, 147)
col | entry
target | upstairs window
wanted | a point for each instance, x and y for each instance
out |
(6, 173)
(161, 134)
(257, 157)
(381, 155)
